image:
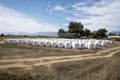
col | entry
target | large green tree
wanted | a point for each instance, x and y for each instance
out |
(61, 31)
(76, 27)
(2, 35)
(87, 32)
(101, 33)
(93, 34)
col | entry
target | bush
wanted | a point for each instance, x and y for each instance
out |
(2, 35)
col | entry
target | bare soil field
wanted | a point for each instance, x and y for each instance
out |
(24, 62)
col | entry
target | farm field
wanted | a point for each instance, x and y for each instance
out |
(25, 62)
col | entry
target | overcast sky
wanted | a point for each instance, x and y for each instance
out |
(50, 15)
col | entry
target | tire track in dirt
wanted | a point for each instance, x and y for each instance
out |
(52, 60)
(78, 59)
(61, 57)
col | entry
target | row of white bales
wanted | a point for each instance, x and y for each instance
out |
(60, 42)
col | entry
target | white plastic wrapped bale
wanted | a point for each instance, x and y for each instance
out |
(22, 41)
(90, 45)
(96, 45)
(86, 44)
(103, 43)
(81, 45)
(29, 41)
(54, 44)
(6, 41)
(47, 43)
(41, 43)
(60, 44)
(75, 45)
(26, 40)
(67, 45)
(12, 41)
(98, 42)
(110, 42)
(35, 43)
(106, 42)
(17, 41)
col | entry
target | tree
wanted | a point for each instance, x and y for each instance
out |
(112, 34)
(76, 27)
(87, 32)
(81, 33)
(101, 33)
(61, 31)
(2, 35)
(93, 34)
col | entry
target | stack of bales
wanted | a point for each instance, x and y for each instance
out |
(60, 43)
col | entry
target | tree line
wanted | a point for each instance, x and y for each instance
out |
(78, 28)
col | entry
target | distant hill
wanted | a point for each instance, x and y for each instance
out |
(54, 34)
(46, 33)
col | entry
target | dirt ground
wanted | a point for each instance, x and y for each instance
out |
(27, 58)
(38, 56)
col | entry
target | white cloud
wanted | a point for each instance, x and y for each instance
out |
(59, 8)
(15, 21)
(102, 14)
